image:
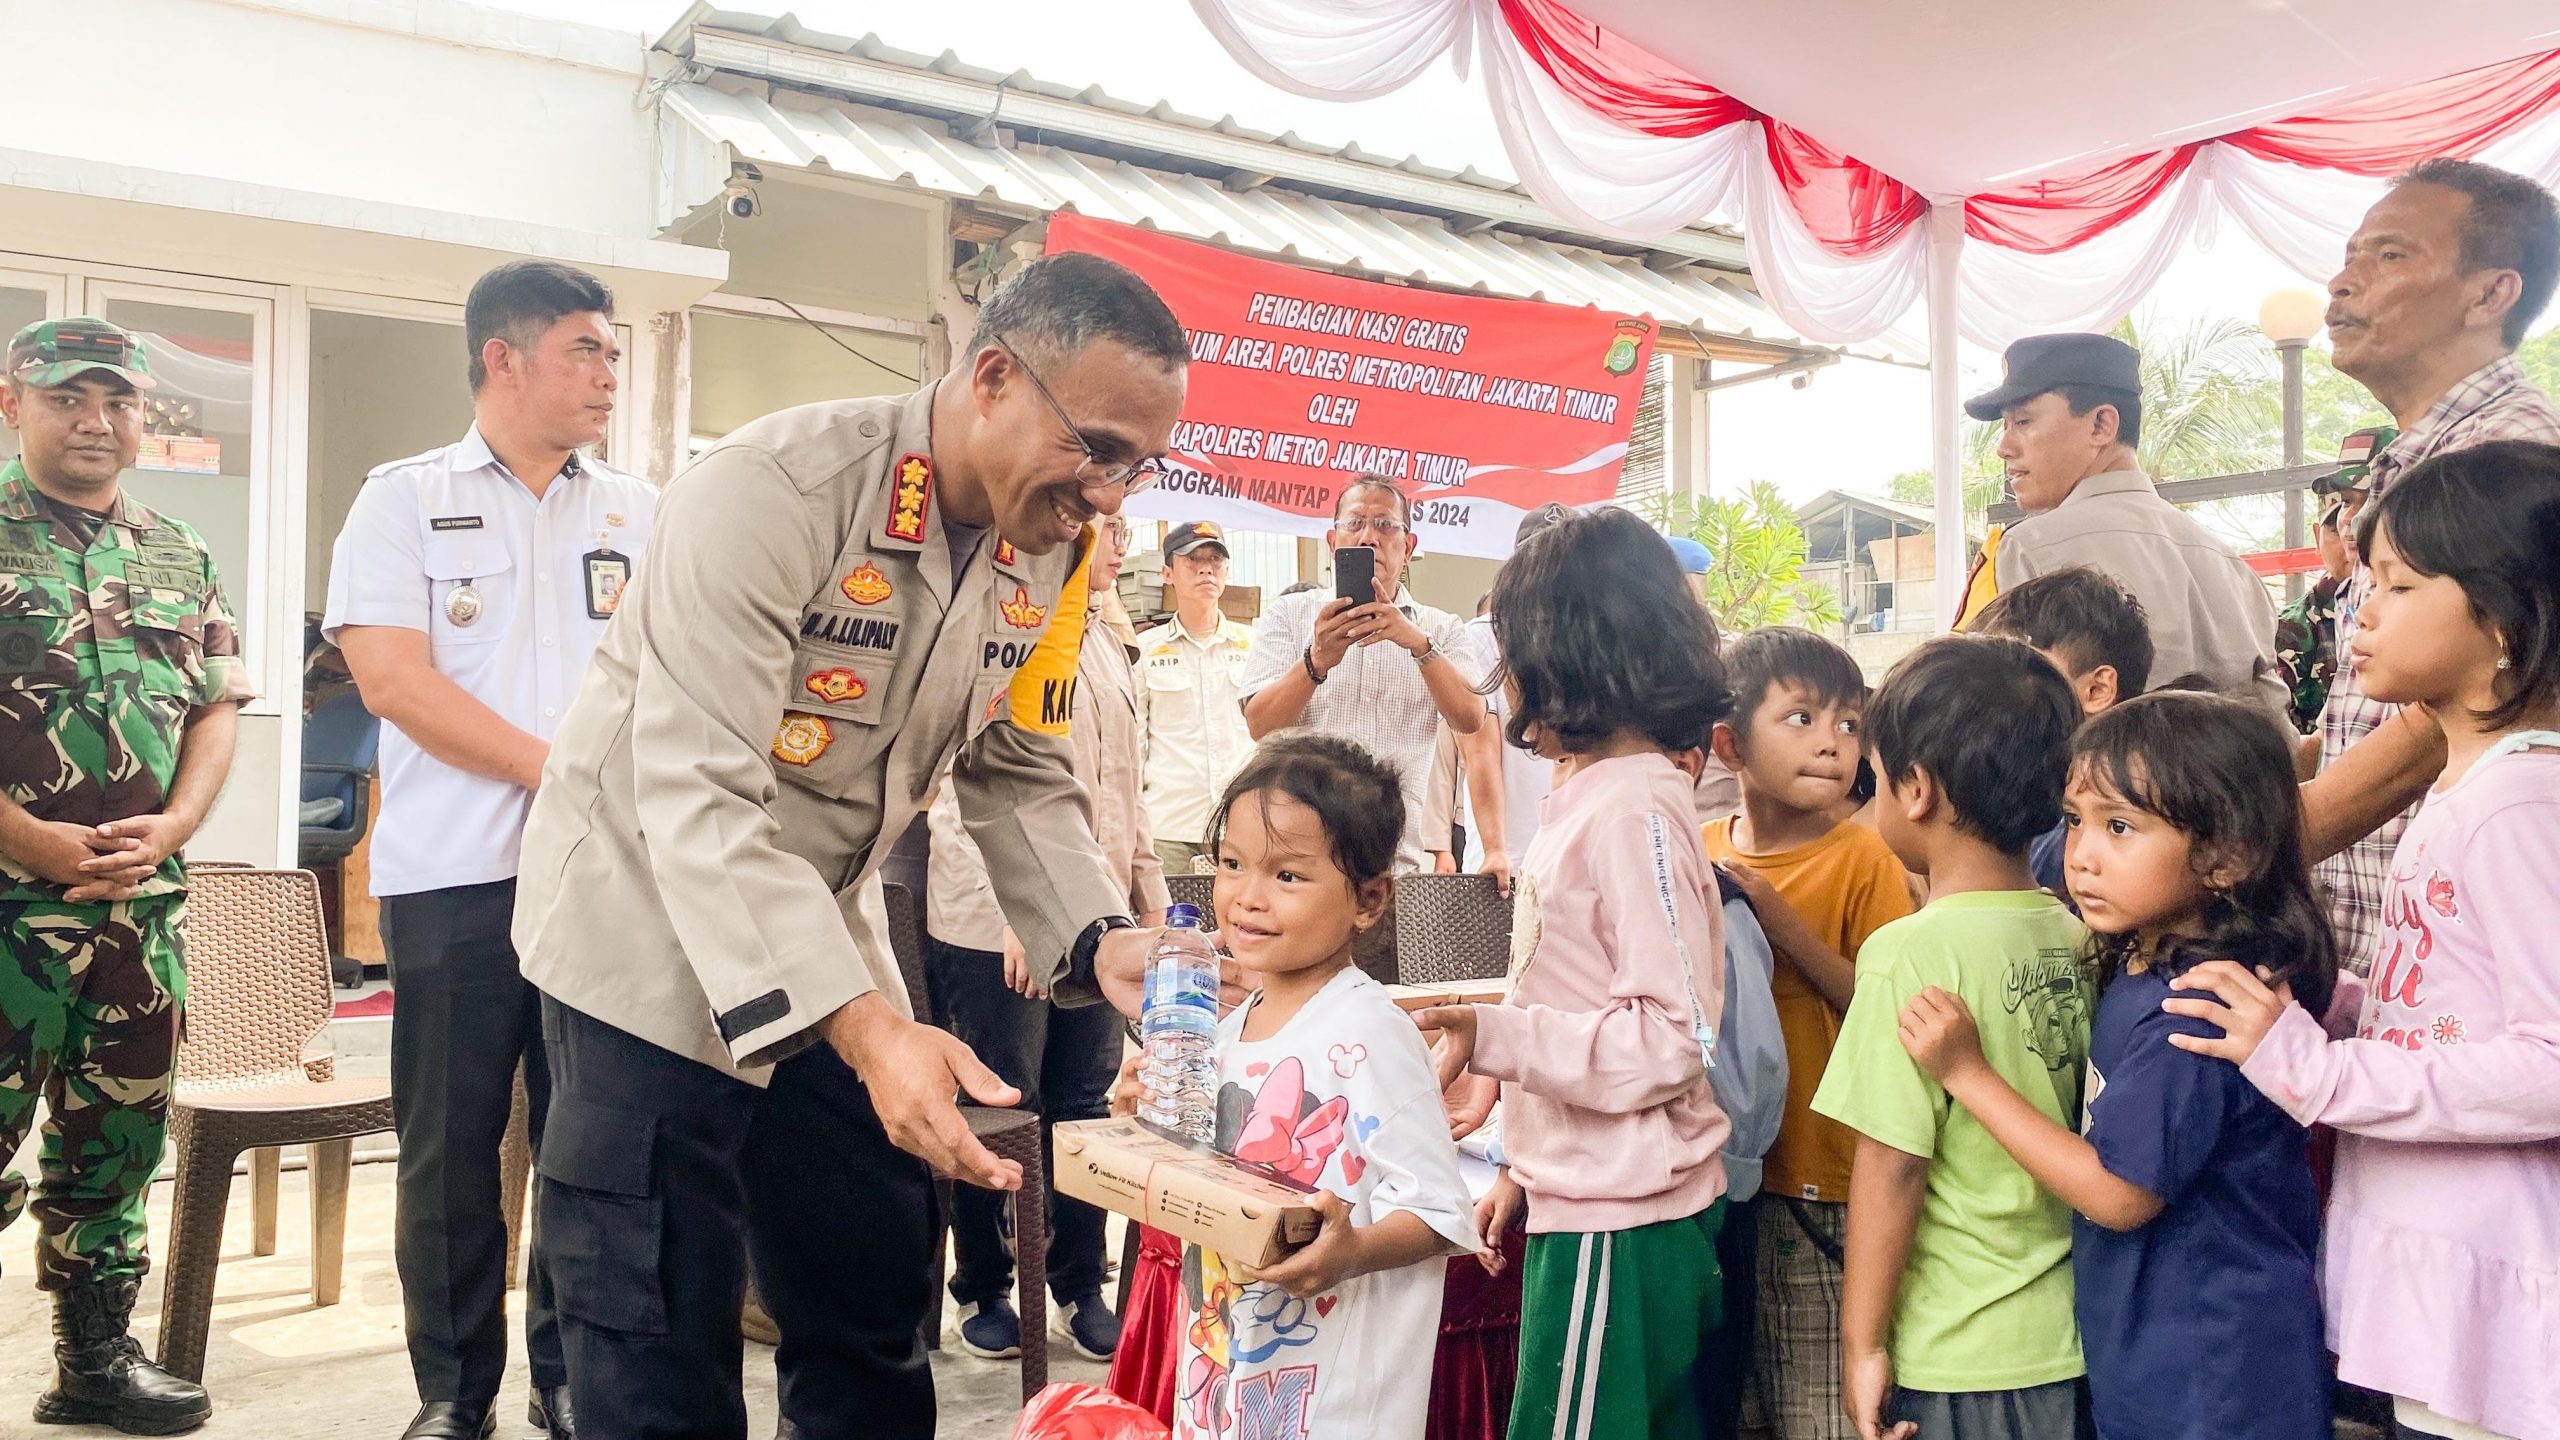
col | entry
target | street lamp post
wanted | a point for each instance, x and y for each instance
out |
(2290, 318)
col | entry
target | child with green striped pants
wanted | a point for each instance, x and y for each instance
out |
(1610, 1128)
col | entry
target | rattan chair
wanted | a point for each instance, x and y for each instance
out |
(257, 996)
(1197, 891)
(1451, 927)
(1013, 1134)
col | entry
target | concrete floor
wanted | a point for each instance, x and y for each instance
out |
(281, 1369)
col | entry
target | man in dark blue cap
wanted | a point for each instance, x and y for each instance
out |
(2070, 414)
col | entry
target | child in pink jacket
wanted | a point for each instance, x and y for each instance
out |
(2441, 1261)
(1609, 1126)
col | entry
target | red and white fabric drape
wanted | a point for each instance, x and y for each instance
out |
(1615, 138)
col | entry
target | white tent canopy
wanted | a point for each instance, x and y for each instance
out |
(1922, 140)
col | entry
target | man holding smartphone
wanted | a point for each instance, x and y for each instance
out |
(1377, 667)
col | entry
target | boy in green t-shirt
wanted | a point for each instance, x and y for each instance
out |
(1955, 1315)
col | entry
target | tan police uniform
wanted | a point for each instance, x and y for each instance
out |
(2210, 614)
(807, 646)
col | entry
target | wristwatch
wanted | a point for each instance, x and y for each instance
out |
(1423, 656)
(1080, 954)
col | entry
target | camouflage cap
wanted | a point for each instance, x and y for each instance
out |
(54, 352)
(2355, 460)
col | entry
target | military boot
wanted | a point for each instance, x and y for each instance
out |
(100, 1374)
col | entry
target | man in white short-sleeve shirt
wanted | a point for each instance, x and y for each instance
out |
(1385, 674)
(468, 590)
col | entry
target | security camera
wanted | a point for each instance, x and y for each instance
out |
(738, 198)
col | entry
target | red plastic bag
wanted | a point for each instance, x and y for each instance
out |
(1085, 1412)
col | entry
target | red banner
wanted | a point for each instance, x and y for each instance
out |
(1482, 409)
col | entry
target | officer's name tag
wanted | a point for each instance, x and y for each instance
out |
(454, 522)
(187, 580)
(24, 554)
(608, 572)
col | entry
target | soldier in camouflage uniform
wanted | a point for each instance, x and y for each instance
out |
(119, 690)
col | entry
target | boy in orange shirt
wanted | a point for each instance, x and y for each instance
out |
(1819, 883)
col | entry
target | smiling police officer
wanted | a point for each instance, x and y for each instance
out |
(840, 598)
(120, 684)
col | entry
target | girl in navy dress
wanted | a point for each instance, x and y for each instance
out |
(2195, 1245)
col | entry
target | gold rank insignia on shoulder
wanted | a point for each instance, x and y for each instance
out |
(802, 738)
(910, 496)
(866, 585)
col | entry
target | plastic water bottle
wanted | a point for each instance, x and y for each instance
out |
(1178, 1030)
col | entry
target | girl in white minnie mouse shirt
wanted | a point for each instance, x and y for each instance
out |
(1325, 1081)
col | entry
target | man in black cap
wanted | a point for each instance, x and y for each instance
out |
(2070, 414)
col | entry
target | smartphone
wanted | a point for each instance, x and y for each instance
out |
(1355, 574)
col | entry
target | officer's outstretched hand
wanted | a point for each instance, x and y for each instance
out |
(912, 1071)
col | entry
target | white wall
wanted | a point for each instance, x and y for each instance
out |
(746, 366)
(404, 103)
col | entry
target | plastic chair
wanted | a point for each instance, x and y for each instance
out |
(1013, 1134)
(257, 997)
(1451, 927)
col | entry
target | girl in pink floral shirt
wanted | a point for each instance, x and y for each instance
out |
(2441, 1267)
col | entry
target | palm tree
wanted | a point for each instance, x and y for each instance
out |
(2210, 405)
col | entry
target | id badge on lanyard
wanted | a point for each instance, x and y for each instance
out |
(608, 572)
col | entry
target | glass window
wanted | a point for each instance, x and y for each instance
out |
(198, 425)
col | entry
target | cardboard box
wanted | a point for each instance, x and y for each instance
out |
(1131, 1168)
(1449, 992)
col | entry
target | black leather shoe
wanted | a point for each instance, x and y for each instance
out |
(100, 1375)
(446, 1420)
(548, 1412)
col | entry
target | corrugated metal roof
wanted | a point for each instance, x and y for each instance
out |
(788, 30)
(902, 149)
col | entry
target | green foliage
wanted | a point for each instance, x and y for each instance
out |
(1759, 573)
(2540, 357)
(1984, 481)
(2212, 400)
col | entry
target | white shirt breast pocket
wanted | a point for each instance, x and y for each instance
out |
(471, 588)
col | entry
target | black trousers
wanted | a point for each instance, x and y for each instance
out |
(462, 1016)
(1725, 1359)
(655, 1173)
(1063, 1061)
